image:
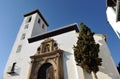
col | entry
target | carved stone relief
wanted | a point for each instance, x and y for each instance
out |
(47, 45)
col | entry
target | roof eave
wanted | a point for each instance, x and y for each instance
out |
(40, 14)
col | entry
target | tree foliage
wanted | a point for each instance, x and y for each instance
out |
(118, 67)
(86, 51)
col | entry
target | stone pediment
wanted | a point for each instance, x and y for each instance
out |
(47, 46)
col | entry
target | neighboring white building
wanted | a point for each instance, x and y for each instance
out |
(38, 54)
(113, 15)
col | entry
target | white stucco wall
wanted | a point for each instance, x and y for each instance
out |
(37, 29)
(108, 69)
(111, 17)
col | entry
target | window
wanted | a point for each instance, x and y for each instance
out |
(38, 21)
(26, 26)
(43, 27)
(29, 19)
(19, 48)
(23, 36)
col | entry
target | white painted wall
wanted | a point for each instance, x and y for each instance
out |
(108, 69)
(111, 17)
(37, 29)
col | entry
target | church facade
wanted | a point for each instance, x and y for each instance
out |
(41, 54)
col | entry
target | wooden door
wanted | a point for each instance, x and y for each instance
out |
(46, 71)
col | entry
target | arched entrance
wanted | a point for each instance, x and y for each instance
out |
(46, 71)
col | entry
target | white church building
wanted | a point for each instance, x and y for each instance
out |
(41, 54)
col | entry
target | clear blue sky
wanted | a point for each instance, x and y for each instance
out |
(58, 13)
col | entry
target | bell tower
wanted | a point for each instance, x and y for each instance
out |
(36, 22)
(18, 62)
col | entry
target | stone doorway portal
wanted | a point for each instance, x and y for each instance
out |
(47, 63)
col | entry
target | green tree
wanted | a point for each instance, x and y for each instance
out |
(86, 51)
(118, 67)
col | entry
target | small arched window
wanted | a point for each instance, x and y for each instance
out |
(38, 21)
(19, 48)
(26, 26)
(43, 26)
(29, 19)
(23, 36)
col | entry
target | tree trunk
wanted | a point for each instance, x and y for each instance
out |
(87, 75)
(95, 75)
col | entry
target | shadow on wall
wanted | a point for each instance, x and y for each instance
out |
(66, 57)
(16, 73)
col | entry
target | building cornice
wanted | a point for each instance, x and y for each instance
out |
(40, 14)
(54, 32)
